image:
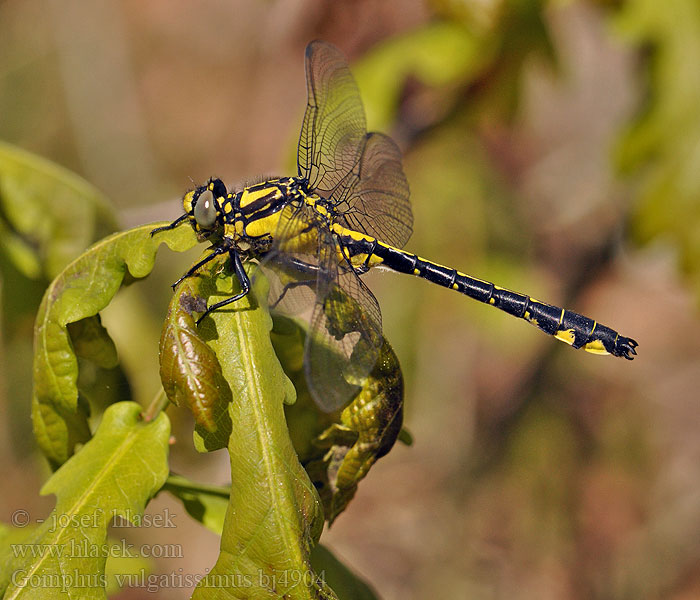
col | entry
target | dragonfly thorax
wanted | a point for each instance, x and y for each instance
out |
(265, 197)
(257, 208)
(215, 213)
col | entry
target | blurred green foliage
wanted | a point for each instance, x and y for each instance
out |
(48, 216)
(661, 150)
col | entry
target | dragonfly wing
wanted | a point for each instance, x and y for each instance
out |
(292, 264)
(310, 278)
(334, 125)
(360, 173)
(345, 333)
(374, 197)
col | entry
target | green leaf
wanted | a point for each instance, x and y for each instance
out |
(91, 340)
(273, 517)
(189, 369)
(115, 474)
(346, 584)
(207, 504)
(48, 215)
(368, 429)
(338, 450)
(119, 570)
(11, 538)
(80, 291)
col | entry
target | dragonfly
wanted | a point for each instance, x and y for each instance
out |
(345, 212)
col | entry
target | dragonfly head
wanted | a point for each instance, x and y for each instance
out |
(204, 207)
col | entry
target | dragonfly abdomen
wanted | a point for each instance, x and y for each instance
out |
(570, 327)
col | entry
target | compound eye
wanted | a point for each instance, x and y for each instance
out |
(205, 210)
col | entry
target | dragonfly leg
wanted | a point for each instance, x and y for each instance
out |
(172, 225)
(286, 288)
(215, 252)
(243, 280)
(298, 266)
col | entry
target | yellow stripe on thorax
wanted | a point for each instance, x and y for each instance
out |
(263, 196)
(252, 194)
(264, 226)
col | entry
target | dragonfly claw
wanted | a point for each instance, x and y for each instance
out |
(626, 348)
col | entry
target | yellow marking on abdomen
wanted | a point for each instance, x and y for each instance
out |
(363, 259)
(595, 347)
(568, 336)
(351, 233)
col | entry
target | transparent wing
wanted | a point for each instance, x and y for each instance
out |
(309, 278)
(334, 125)
(292, 264)
(373, 197)
(360, 173)
(345, 334)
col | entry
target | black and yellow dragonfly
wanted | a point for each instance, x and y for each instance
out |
(346, 211)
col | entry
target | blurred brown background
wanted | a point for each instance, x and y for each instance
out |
(552, 147)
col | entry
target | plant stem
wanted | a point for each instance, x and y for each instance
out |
(158, 404)
(178, 482)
